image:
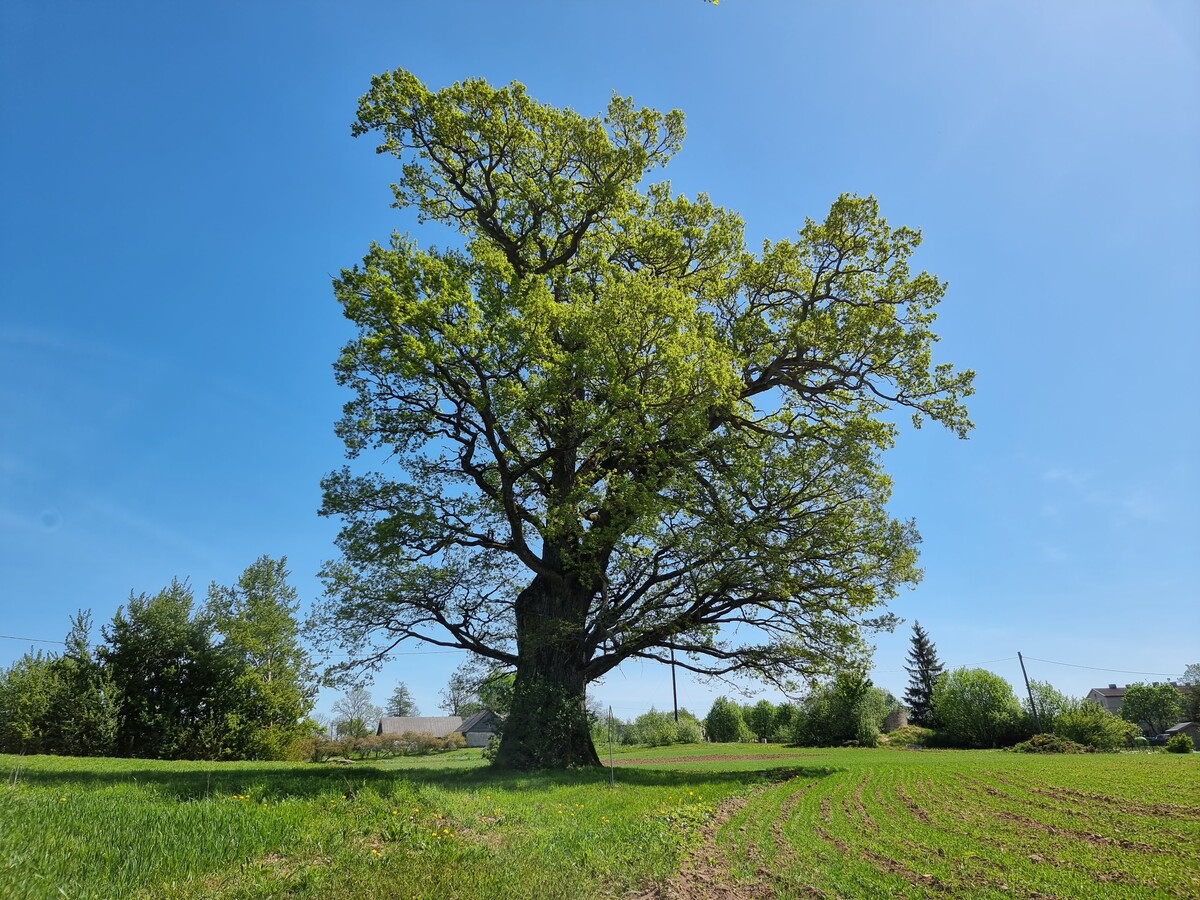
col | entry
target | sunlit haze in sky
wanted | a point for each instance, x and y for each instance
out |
(179, 185)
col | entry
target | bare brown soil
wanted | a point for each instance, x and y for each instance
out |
(716, 757)
(913, 807)
(1099, 840)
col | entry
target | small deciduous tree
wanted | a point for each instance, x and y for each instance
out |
(1051, 704)
(271, 685)
(168, 670)
(847, 709)
(617, 431)
(1190, 700)
(923, 672)
(761, 719)
(1153, 707)
(82, 718)
(724, 722)
(460, 696)
(976, 708)
(354, 715)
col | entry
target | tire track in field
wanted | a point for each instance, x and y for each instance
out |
(1099, 840)
(886, 863)
(1112, 816)
(706, 872)
(1148, 810)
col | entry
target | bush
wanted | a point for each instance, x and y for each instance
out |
(658, 729)
(689, 730)
(1050, 743)
(1180, 743)
(653, 728)
(1089, 723)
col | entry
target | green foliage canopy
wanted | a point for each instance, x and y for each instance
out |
(616, 430)
(976, 708)
(725, 723)
(1086, 722)
(1155, 707)
(847, 709)
(1190, 702)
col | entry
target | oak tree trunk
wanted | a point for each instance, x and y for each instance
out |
(547, 727)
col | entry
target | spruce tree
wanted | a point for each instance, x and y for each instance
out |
(922, 675)
(401, 702)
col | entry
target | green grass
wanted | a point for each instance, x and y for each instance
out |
(835, 823)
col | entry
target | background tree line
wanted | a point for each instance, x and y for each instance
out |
(170, 680)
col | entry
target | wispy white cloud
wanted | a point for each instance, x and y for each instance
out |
(1124, 504)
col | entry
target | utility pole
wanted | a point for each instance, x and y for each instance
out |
(674, 692)
(1036, 718)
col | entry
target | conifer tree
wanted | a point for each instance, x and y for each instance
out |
(922, 676)
(401, 702)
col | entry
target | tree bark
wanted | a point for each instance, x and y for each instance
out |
(547, 727)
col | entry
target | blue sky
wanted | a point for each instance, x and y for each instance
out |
(179, 184)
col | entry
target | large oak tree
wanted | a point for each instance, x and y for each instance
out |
(610, 430)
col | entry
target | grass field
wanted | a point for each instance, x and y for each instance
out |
(700, 821)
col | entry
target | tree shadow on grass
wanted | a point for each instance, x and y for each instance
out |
(306, 781)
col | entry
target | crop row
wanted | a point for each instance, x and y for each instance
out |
(944, 825)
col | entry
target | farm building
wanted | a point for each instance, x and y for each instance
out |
(1191, 729)
(477, 729)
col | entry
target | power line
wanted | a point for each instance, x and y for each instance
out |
(1099, 669)
(11, 637)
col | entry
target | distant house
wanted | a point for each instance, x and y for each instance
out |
(1191, 729)
(1113, 697)
(477, 729)
(1110, 698)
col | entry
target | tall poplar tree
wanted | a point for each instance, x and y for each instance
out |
(923, 671)
(611, 429)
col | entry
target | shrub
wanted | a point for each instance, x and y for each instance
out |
(689, 730)
(1050, 743)
(654, 728)
(1091, 724)
(1180, 743)
(658, 729)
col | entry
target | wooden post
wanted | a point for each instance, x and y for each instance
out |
(1036, 718)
